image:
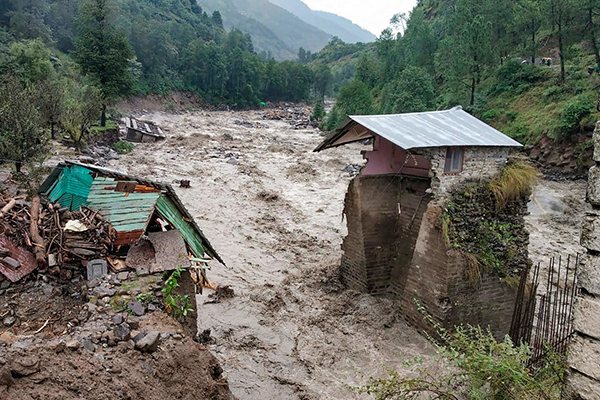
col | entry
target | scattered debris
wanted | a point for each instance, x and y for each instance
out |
(297, 116)
(143, 131)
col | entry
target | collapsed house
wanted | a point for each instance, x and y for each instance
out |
(150, 230)
(395, 245)
(142, 131)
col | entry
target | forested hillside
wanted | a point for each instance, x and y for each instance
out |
(528, 67)
(64, 63)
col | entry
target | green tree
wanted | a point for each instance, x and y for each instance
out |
(217, 19)
(466, 51)
(30, 61)
(81, 111)
(527, 22)
(561, 16)
(103, 52)
(50, 100)
(21, 137)
(413, 91)
(319, 111)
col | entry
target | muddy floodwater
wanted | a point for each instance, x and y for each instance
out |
(273, 209)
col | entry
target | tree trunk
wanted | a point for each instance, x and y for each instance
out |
(18, 165)
(592, 28)
(473, 84)
(52, 132)
(103, 119)
(533, 41)
(39, 246)
(561, 53)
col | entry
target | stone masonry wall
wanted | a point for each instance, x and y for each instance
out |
(583, 381)
(479, 163)
(383, 215)
(436, 279)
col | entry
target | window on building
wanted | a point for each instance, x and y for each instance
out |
(454, 160)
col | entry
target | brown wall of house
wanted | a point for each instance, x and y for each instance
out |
(437, 280)
(353, 270)
(383, 215)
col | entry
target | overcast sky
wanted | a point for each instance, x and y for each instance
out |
(373, 15)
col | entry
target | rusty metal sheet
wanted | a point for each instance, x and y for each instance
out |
(24, 257)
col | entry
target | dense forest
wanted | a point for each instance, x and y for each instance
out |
(63, 64)
(528, 67)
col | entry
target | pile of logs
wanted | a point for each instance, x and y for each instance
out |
(39, 229)
(298, 117)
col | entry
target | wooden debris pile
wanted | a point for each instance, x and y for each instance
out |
(298, 117)
(49, 237)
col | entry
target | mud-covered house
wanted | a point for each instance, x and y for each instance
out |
(397, 244)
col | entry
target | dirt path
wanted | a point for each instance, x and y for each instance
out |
(272, 208)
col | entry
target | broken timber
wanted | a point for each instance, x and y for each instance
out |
(142, 131)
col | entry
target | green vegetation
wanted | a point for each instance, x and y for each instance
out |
(484, 222)
(480, 368)
(514, 182)
(177, 305)
(123, 147)
(486, 56)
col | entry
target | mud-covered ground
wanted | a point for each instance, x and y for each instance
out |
(273, 209)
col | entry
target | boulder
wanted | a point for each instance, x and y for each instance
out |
(593, 188)
(25, 366)
(149, 343)
(590, 231)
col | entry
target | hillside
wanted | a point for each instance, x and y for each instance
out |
(527, 68)
(327, 22)
(274, 30)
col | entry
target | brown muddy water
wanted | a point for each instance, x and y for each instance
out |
(273, 209)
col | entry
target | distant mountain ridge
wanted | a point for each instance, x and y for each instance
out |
(273, 29)
(280, 27)
(328, 22)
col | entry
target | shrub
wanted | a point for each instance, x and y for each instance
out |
(480, 368)
(490, 115)
(573, 112)
(515, 180)
(123, 147)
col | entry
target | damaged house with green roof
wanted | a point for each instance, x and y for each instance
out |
(151, 229)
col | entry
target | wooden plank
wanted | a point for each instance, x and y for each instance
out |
(132, 217)
(134, 123)
(147, 127)
(160, 132)
(128, 237)
(127, 122)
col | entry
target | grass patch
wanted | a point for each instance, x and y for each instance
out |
(110, 125)
(515, 180)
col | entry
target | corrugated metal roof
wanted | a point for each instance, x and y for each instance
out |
(126, 212)
(69, 187)
(453, 127)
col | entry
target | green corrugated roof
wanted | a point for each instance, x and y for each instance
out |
(167, 208)
(71, 187)
(126, 212)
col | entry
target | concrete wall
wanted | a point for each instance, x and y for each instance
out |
(583, 381)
